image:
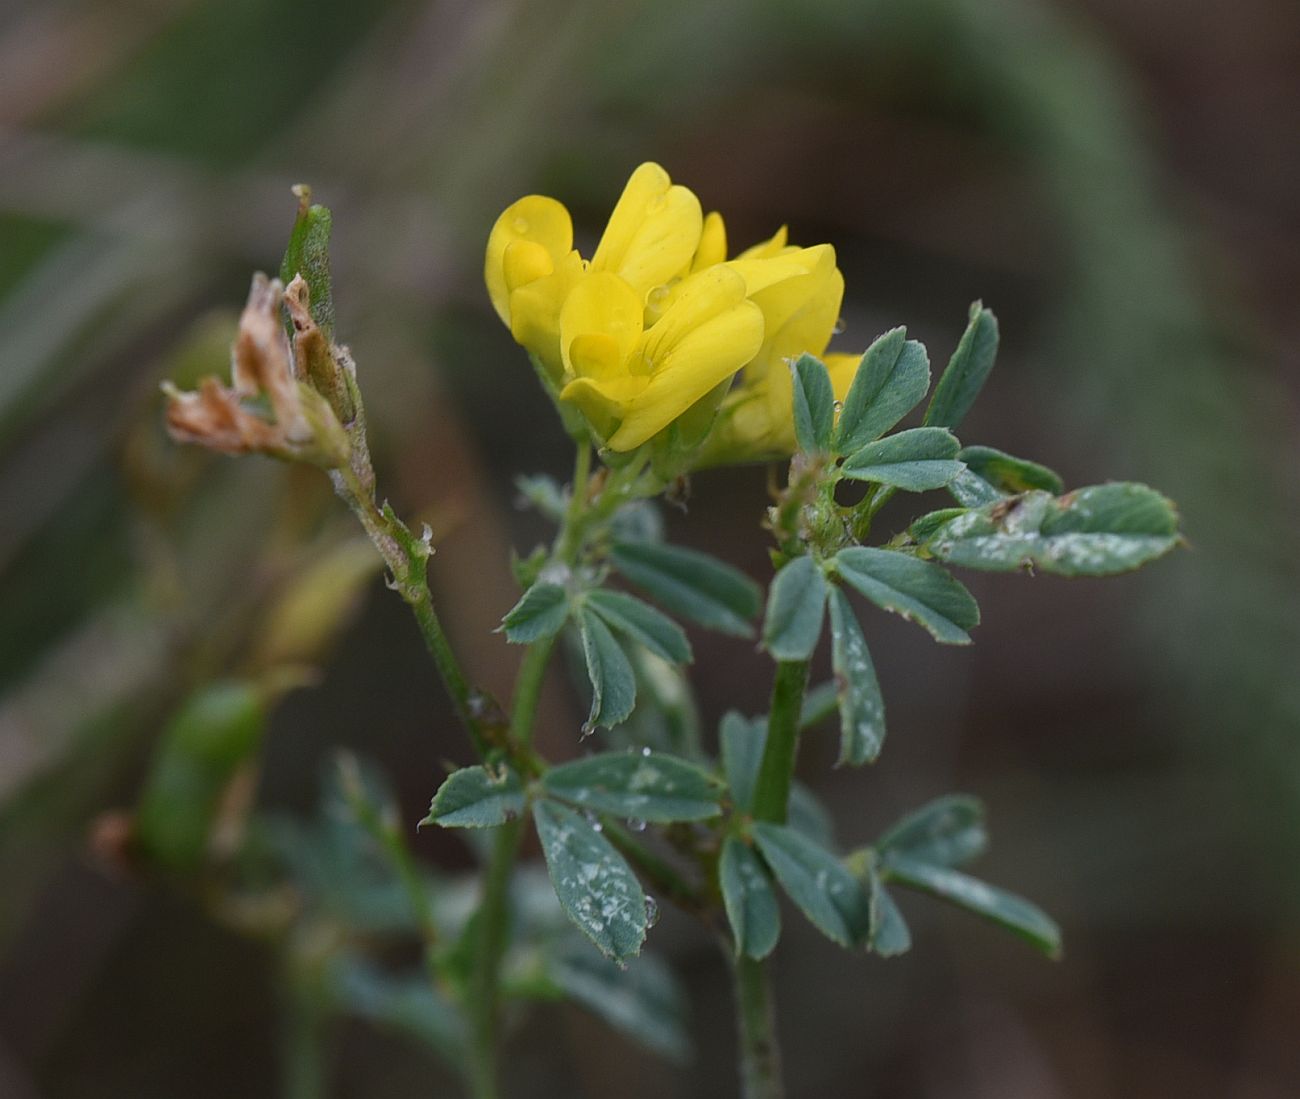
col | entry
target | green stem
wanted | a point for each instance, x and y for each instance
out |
(760, 1055)
(772, 793)
(528, 689)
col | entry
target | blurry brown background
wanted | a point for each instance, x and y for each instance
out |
(1120, 181)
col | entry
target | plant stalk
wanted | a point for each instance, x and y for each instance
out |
(772, 793)
(760, 1055)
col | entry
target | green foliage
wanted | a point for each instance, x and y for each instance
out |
(814, 405)
(749, 899)
(916, 460)
(594, 884)
(890, 381)
(641, 623)
(1096, 531)
(862, 709)
(742, 741)
(1008, 474)
(920, 591)
(613, 683)
(889, 933)
(541, 612)
(967, 370)
(477, 797)
(823, 890)
(308, 254)
(643, 785)
(692, 584)
(796, 607)
(948, 831)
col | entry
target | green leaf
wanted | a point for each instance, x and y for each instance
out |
(967, 371)
(890, 381)
(918, 590)
(749, 900)
(945, 832)
(916, 460)
(642, 1000)
(1016, 914)
(806, 815)
(889, 934)
(814, 405)
(742, 742)
(542, 493)
(923, 529)
(541, 612)
(972, 491)
(641, 785)
(214, 732)
(308, 254)
(796, 606)
(642, 623)
(818, 704)
(613, 683)
(595, 886)
(1096, 531)
(406, 1004)
(818, 883)
(1010, 475)
(477, 797)
(691, 584)
(862, 709)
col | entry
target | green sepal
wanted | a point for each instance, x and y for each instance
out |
(639, 785)
(915, 461)
(692, 584)
(477, 797)
(890, 381)
(796, 608)
(1014, 913)
(613, 683)
(541, 612)
(861, 705)
(749, 900)
(308, 254)
(594, 884)
(967, 370)
(1097, 531)
(820, 886)
(642, 623)
(921, 591)
(814, 404)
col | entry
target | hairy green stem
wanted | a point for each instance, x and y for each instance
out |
(760, 1055)
(772, 793)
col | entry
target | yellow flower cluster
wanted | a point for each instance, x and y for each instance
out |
(653, 329)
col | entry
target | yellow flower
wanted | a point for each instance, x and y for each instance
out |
(632, 381)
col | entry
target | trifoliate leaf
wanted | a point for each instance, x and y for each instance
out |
(541, 612)
(642, 623)
(833, 899)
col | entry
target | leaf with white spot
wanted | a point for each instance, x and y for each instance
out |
(594, 884)
(918, 590)
(862, 708)
(833, 899)
(948, 831)
(641, 785)
(749, 899)
(477, 797)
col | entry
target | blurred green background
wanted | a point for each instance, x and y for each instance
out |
(1120, 181)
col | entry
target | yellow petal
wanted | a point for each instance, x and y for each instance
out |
(768, 248)
(604, 402)
(843, 368)
(534, 218)
(713, 243)
(695, 299)
(535, 311)
(525, 261)
(652, 233)
(602, 315)
(688, 367)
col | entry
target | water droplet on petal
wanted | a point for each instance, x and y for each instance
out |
(839, 328)
(838, 406)
(645, 751)
(520, 225)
